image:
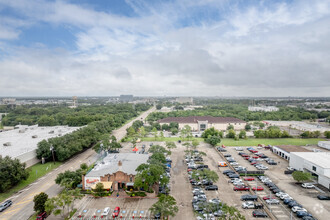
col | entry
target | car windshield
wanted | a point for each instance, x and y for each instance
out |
(116, 211)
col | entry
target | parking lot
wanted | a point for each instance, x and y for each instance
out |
(92, 208)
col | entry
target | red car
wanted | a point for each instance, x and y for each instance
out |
(249, 178)
(268, 197)
(116, 212)
(259, 188)
(254, 151)
(255, 157)
(246, 158)
(241, 188)
(255, 162)
(42, 216)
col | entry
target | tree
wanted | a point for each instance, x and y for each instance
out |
(247, 127)
(158, 149)
(166, 206)
(305, 134)
(242, 134)
(174, 131)
(211, 132)
(161, 135)
(154, 132)
(130, 131)
(148, 175)
(170, 145)
(142, 132)
(213, 140)
(83, 166)
(327, 134)
(195, 143)
(301, 176)
(231, 134)
(230, 127)
(114, 145)
(186, 132)
(39, 202)
(316, 134)
(159, 106)
(69, 179)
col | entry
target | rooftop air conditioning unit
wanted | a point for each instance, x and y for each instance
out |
(34, 136)
(7, 144)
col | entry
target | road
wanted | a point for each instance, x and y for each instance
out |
(22, 207)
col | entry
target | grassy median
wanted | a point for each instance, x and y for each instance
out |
(249, 141)
(35, 172)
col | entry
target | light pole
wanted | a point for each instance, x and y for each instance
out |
(52, 149)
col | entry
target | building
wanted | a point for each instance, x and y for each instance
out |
(263, 109)
(21, 143)
(324, 144)
(317, 163)
(115, 171)
(184, 100)
(201, 123)
(300, 125)
(285, 150)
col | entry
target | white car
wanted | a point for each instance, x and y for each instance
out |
(248, 205)
(272, 201)
(236, 179)
(298, 209)
(234, 163)
(290, 168)
(283, 195)
(106, 211)
(238, 148)
(215, 201)
(280, 193)
(286, 197)
(308, 185)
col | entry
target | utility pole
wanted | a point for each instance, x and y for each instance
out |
(52, 149)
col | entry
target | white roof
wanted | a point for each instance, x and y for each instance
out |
(109, 165)
(321, 159)
(20, 140)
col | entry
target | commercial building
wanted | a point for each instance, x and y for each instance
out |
(201, 123)
(263, 109)
(115, 171)
(285, 150)
(184, 100)
(317, 163)
(21, 143)
(299, 125)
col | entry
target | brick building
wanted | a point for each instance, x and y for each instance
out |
(115, 171)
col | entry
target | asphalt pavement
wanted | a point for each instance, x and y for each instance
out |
(22, 207)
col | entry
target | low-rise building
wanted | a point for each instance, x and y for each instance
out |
(115, 171)
(201, 123)
(317, 163)
(263, 108)
(284, 151)
(324, 144)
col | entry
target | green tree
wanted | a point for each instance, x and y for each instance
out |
(231, 134)
(149, 175)
(131, 131)
(186, 132)
(327, 134)
(154, 133)
(159, 106)
(158, 149)
(161, 135)
(242, 134)
(166, 206)
(69, 179)
(230, 127)
(195, 143)
(174, 131)
(170, 145)
(39, 202)
(247, 127)
(301, 176)
(213, 140)
(142, 132)
(211, 132)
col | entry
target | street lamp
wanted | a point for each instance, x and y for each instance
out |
(52, 149)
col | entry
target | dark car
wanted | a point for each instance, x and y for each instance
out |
(228, 171)
(307, 217)
(157, 215)
(294, 203)
(211, 187)
(276, 190)
(5, 205)
(258, 206)
(287, 201)
(301, 214)
(323, 197)
(227, 155)
(233, 176)
(202, 166)
(113, 151)
(259, 214)
(249, 197)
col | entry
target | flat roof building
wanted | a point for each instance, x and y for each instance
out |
(285, 150)
(115, 170)
(201, 123)
(22, 142)
(317, 163)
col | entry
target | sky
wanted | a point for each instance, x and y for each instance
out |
(165, 47)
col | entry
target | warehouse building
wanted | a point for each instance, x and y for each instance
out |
(201, 123)
(324, 144)
(21, 142)
(317, 163)
(285, 150)
(115, 171)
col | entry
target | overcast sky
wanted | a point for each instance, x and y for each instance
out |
(165, 47)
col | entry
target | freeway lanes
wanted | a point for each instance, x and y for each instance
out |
(22, 207)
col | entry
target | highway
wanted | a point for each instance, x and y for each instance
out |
(22, 207)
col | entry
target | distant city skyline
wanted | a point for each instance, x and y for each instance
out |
(152, 48)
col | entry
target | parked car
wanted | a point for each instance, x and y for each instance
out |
(249, 178)
(248, 197)
(272, 201)
(232, 176)
(116, 212)
(248, 205)
(323, 197)
(42, 216)
(106, 211)
(258, 188)
(259, 214)
(5, 205)
(228, 171)
(301, 214)
(308, 185)
(298, 209)
(212, 187)
(268, 197)
(241, 188)
(215, 201)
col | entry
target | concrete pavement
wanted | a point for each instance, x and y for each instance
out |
(22, 207)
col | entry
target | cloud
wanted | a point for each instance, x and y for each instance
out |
(172, 48)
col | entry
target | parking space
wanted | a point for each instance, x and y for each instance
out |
(129, 208)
